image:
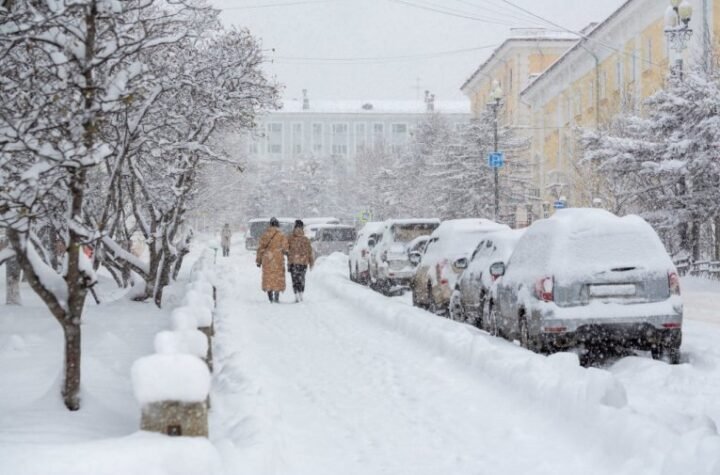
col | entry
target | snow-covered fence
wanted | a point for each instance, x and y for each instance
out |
(704, 269)
(173, 385)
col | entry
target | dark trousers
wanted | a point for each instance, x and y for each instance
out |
(226, 251)
(297, 272)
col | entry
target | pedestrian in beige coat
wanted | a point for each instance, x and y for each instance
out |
(300, 258)
(271, 258)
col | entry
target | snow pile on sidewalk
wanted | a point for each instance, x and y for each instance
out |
(594, 399)
(37, 433)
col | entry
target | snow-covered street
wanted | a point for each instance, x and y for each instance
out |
(353, 382)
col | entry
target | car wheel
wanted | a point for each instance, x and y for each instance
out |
(673, 355)
(524, 333)
(415, 301)
(456, 310)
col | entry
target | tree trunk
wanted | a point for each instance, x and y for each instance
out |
(12, 284)
(71, 383)
(179, 263)
(695, 240)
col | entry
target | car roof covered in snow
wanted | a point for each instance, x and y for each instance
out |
(334, 226)
(327, 220)
(478, 225)
(391, 222)
(372, 227)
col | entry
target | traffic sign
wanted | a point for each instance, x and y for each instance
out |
(496, 159)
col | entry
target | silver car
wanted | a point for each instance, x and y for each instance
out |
(587, 278)
(474, 285)
(331, 238)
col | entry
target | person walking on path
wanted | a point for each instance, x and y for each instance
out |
(271, 258)
(225, 237)
(300, 257)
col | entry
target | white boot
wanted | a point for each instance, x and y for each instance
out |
(301, 296)
(297, 297)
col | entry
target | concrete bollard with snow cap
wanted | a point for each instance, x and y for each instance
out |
(172, 390)
(195, 318)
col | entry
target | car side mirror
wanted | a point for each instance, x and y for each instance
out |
(497, 269)
(415, 258)
(461, 263)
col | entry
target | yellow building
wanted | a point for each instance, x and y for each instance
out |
(513, 65)
(615, 65)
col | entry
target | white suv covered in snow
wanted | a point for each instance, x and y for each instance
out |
(389, 263)
(587, 277)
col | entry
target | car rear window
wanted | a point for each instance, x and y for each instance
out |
(258, 228)
(408, 232)
(604, 251)
(340, 234)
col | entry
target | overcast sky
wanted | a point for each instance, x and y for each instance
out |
(384, 49)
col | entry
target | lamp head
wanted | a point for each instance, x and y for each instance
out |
(685, 12)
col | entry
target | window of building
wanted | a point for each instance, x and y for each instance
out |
(399, 136)
(378, 134)
(340, 139)
(619, 75)
(360, 138)
(603, 85)
(274, 138)
(510, 80)
(649, 54)
(297, 138)
(591, 93)
(317, 138)
(633, 65)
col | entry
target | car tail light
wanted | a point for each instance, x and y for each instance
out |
(674, 283)
(554, 329)
(544, 289)
(671, 326)
(439, 270)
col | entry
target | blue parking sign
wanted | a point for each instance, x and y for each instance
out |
(496, 159)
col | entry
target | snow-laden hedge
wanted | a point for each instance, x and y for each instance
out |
(593, 399)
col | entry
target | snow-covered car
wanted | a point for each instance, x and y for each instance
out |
(256, 228)
(390, 265)
(446, 256)
(331, 238)
(417, 245)
(360, 253)
(474, 285)
(313, 224)
(585, 277)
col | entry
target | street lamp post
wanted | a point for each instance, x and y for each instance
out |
(677, 29)
(495, 102)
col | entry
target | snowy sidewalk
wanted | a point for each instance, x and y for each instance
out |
(321, 388)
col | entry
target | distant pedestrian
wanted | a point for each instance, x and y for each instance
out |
(300, 258)
(225, 237)
(271, 257)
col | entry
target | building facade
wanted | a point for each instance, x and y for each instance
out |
(612, 68)
(512, 66)
(341, 130)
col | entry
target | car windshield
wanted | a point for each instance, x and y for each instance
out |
(338, 234)
(407, 232)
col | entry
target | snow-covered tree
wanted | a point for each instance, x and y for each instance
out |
(665, 164)
(106, 110)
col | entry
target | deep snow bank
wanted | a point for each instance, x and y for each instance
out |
(592, 399)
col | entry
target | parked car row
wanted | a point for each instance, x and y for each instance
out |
(582, 278)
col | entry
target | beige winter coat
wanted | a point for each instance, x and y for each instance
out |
(271, 256)
(299, 249)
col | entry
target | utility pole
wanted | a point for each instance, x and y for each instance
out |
(496, 158)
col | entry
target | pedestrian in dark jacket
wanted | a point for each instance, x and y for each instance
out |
(300, 258)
